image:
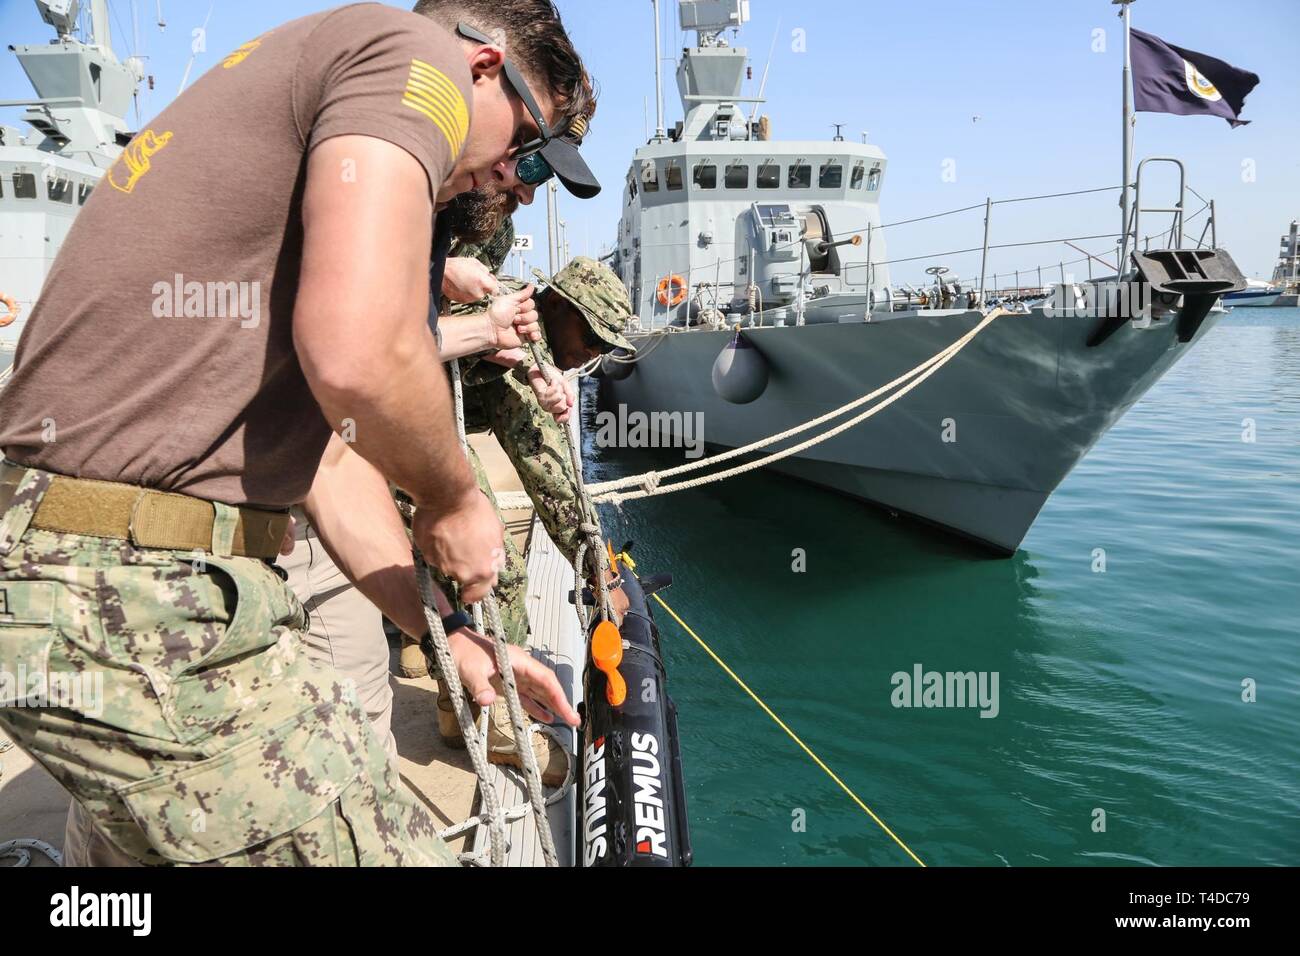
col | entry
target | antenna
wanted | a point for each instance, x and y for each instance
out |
(839, 138)
(162, 24)
(659, 86)
(100, 33)
(763, 83)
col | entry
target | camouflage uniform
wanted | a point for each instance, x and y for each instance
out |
(214, 741)
(500, 400)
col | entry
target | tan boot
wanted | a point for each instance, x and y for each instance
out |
(448, 725)
(551, 760)
(412, 662)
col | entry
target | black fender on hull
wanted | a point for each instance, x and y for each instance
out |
(740, 372)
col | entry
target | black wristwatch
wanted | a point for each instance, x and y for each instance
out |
(454, 622)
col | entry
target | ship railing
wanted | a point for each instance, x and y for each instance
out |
(990, 287)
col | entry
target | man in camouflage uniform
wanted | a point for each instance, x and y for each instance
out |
(178, 654)
(583, 309)
(136, 548)
(586, 308)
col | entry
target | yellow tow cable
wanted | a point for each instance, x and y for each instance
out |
(782, 724)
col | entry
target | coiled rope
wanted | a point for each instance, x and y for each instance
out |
(20, 851)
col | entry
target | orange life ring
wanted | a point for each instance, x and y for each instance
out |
(678, 296)
(11, 304)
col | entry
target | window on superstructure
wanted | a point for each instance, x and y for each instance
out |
(737, 176)
(650, 178)
(855, 179)
(83, 193)
(830, 176)
(24, 186)
(800, 176)
(769, 176)
(705, 176)
(59, 190)
(873, 181)
(674, 177)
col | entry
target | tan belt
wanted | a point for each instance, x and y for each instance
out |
(143, 516)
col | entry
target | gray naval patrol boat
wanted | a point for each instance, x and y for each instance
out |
(761, 276)
(78, 129)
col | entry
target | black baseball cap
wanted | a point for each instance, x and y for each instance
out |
(562, 155)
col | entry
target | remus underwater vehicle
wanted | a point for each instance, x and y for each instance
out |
(633, 790)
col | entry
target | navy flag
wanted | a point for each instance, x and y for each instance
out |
(1169, 79)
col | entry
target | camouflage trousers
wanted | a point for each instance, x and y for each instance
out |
(512, 580)
(170, 694)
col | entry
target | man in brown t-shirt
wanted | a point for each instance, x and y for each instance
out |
(253, 278)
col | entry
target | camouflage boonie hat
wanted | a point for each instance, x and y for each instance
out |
(598, 294)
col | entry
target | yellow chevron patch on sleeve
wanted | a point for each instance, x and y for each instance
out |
(429, 91)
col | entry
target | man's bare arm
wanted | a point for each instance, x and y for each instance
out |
(352, 510)
(361, 334)
(360, 321)
(507, 323)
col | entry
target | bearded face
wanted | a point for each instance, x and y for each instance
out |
(476, 215)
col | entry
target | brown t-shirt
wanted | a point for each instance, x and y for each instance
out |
(161, 349)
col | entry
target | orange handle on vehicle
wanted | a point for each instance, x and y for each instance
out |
(607, 654)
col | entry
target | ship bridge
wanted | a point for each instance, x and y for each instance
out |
(719, 219)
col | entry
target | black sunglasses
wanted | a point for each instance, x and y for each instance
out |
(516, 81)
(533, 170)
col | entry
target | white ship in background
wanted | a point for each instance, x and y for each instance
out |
(77, 121)
(1284, 288)
(760, 271)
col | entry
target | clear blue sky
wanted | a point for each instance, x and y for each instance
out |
(913, 74)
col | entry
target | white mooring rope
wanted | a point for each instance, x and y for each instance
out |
(650, 483)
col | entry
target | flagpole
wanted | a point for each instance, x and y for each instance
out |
(1127, 145)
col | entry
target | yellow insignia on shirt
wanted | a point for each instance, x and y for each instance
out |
(430, 92)
(135, 159)
(244, 50)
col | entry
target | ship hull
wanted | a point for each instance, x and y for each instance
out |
(975, 449)
(1251, 297)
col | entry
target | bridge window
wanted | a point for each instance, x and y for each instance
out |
(800, 176)
(873, 181)
(830, 176)
(24, 186)
(83, 193)
(769, 176)
(650, 178)
(705, 176)
(674, 177)
(855, 180)
(737, 176)
(59, 190)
